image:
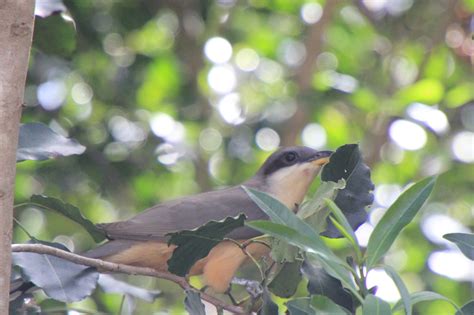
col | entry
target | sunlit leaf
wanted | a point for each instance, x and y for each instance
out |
(38, 142)
(464, 241)
(71, 212)
(396, 218)
(193, 245)
(427, 91)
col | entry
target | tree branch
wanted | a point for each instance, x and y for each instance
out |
(16, 31)
(125, 269)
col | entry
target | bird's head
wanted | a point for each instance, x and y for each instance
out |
(289, 172)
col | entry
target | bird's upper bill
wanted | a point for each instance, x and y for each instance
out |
(321, 158)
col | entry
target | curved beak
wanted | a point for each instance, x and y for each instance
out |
(321, 158)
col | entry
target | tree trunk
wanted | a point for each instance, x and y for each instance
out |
(16, 30)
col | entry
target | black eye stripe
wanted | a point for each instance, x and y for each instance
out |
(290, 157)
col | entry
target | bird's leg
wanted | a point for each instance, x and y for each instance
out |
(253, 288)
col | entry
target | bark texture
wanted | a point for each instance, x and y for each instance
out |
(16, 29)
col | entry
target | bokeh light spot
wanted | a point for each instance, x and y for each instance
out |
(314, 136)
(267, 139)
(408, 135)
(51, 94)
(222, 79)
(463, 146)
(218, 50)
(311, 12)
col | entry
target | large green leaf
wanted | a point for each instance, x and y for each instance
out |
(60, 279)
(314, 247)
(404, 294)
(193, 245)
(300, 306)
(278, 212)
(374, 306)
(464, 241)
(347, 164)
(423, 296)
(396, 218)
(38, 142)
(69, 211)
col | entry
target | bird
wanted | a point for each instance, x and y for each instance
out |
(142, 240)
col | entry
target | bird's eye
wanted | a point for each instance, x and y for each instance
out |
(290, 157)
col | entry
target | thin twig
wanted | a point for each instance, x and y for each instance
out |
(125, 269)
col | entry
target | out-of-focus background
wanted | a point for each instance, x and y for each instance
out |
(177, 97)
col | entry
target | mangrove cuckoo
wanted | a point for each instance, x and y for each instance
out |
(142, 241)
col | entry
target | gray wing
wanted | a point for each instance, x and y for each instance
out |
(188, 213)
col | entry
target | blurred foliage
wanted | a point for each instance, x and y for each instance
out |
(161, 116)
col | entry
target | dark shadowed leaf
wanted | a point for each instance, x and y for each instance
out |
(466, 309)
(268, 307)
(346, 163)
(55, 35)
(325, 306)
(286, 281)
(400, 213)
(375, 306)
(38, 142)
(193, 245)
(193, 304)
(321, 283)
(44, 8)
(423, 296)
(464, 241)
(60, 279)
(71, 212)
(111, 285)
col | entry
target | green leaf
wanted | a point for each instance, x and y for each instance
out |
(346, 163)
(193, 303)
(404, 294)
(325, 306)
(321, 283)
(315, 210)
(193, 245)
(344, 227)
(283, 252)
(287, 280)
(374, 306)
(423, 296)
(300, 306)
(315, 248)
(278, 212)
(60, 279)
(71, 212)
(396, 218)
(464, 241)
(466, 309)
(38, 142)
